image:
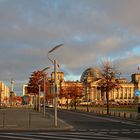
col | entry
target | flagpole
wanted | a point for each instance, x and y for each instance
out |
(138, 70)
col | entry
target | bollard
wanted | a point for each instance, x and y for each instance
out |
(3, 119)
(29, 119)
(102, 112)
(119, 114)
(114, 114)
(124, 115)
(130, 116)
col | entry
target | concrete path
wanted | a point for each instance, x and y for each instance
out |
(29, 120)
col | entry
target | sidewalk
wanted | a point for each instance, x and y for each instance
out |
(29, 120)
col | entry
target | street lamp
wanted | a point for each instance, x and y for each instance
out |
(44, 98)
(87, 93)
(55, 81)
(39, 99)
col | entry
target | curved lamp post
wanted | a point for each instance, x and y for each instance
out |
(44, 98)
(55, 81)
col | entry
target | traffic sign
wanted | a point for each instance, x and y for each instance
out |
(137, 92)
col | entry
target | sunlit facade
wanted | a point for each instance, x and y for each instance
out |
(124, 95)
(4, 94)
(90, 81)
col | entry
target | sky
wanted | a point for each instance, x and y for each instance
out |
(91, 30)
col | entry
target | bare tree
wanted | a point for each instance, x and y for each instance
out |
(108, 81)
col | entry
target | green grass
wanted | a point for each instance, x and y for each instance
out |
(127, 109)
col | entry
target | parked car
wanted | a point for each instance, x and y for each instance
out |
(49, 105)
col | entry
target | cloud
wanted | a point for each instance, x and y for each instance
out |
(90, 31)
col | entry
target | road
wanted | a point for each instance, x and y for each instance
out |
(88, 122)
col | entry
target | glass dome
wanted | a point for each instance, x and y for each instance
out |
(91, 74)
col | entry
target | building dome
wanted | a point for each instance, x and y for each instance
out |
(91, 74)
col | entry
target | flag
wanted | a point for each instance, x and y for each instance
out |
(58, 65)
(138, 68)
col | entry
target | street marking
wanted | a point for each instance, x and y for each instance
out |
(125, 132)
(114, 129)
(64, 136)
(136, 132)
(135, 129)
(125, 129)
(114, 132)
(55, 137)
(102, 132)
(15, 137)
(108, 131)
(8, 125)
(104, 129)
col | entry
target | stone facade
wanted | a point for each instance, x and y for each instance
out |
(90, 80)
(4, 94)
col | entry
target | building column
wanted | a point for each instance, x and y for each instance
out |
(96, 93)
(119, 93)
(91, 94)
(123, 95)
(127, 92)
(132, 92)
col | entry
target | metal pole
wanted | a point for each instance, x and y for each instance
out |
(29, 119)
(87, 96)
(3, 119)
(0, 96)
(55, 83)
(39, 99)
(55, 93)
(138, 107)
(44, 109)
(36, 101)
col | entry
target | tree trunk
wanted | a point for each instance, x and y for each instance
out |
(75, 103)
(107, 102)
(67, 104)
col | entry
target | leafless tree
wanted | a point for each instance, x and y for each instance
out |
(108, 81)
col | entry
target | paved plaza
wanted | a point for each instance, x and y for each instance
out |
(28, 120)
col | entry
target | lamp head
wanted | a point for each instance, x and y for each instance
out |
(45, 69)
(56, 47)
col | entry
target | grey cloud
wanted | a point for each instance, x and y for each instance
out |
(89, 29)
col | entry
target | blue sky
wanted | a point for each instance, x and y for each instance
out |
(91, 30)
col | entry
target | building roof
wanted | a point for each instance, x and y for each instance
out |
(91, 74)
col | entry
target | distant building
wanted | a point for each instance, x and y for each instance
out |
(90, 80)
(24, 89)
(4, 94)
(123, 95)
(90, 83)
(25, 94)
